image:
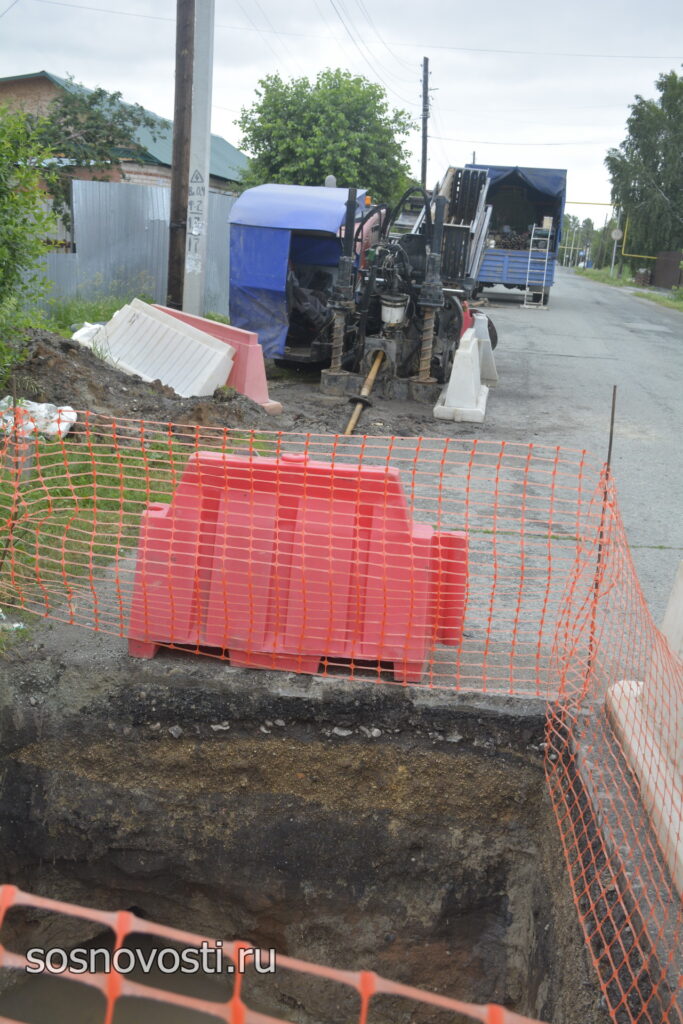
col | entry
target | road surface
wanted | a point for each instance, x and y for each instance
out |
(557, 367)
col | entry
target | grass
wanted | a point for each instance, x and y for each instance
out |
(79, 504)
(603, 276)
(674, 300)
(62, 314)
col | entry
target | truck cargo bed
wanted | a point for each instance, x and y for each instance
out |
(510, 266)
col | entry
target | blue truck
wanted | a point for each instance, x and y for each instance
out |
(525, 229)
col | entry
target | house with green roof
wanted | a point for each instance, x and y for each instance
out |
(148, 165)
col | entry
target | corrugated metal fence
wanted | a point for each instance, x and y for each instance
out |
(121, 237)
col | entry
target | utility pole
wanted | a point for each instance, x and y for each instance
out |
(425, 118)
(200, 157)
(182, 122)
(616, 241)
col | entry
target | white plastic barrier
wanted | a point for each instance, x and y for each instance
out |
(474, 371)
(143, 340)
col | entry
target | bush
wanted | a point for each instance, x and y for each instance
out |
(25, 219)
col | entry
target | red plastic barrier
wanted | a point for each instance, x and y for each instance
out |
(284, 562)
(248, 373)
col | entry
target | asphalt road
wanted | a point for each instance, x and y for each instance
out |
(557, 367)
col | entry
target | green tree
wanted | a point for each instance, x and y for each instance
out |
(298, 132)
(647, 170)
(93, 129)
(24, 223)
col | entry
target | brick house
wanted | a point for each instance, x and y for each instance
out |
(152, 166)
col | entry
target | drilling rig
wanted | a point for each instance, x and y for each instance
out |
(327, 278)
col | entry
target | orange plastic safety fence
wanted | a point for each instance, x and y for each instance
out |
(116, 986)
(412, 560)
(615, 773)
(458, 563)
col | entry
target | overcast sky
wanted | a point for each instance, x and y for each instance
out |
(509, 82)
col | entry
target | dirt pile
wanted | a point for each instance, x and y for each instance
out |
(60, 371)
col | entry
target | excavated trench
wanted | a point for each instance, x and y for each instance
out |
(394, 829)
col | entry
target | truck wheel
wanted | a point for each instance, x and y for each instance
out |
(546, 297)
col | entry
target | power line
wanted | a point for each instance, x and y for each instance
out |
(536, 53)
(395, 56)
(437, 124)
(514, 110)
(104, 10)
(9, 8)
(374, 61)
(370, 65)
(393, 42)
(488, 142)
(248, 16)
(285, 48)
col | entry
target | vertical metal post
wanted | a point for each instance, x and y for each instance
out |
(342, 293)
(182, 122)
(425, 118)
(431, 293)
(200, 159)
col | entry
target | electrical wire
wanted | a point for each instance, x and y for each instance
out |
(104, 10)
(393, 42)
(515, 110)
(281, 40)
(535, 53)
(378, 68)
(379, 35)
(247, 15)
(370, 65)
(2, 15)
(396, 60)
(439, 138)
(489, 142)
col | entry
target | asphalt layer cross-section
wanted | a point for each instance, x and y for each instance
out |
(557, 367)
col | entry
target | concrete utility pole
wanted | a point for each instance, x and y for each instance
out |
(425, 118)
(615, 236)
(200, 159)
(182, 122)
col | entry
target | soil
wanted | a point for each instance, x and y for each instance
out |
(403, 831)
(62, 372)
(407, 832)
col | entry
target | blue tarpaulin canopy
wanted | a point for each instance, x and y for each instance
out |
(269, 225)
(547, 180)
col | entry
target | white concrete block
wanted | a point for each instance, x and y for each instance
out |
(672, 624)
(645, 750)
(155, 346)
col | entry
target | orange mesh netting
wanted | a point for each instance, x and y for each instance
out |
(458, 563)
(115, 986)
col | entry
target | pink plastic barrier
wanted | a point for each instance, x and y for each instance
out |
(248, 374)
(285, 562)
